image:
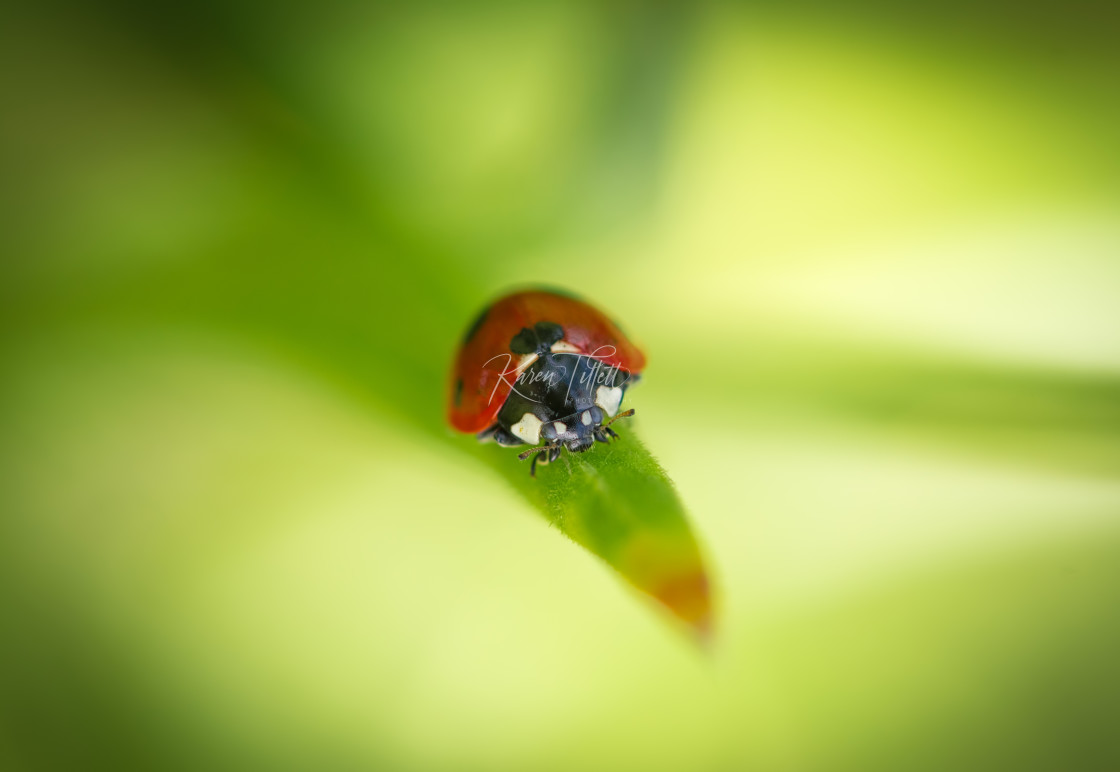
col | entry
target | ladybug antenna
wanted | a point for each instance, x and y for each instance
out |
(552, 450)
(604, 433)
(531, 451)
(624, 414)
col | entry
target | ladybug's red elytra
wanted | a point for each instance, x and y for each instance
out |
(542, 368)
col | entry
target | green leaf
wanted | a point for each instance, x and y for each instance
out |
(618, 503)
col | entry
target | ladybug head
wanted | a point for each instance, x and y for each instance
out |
(577, 433)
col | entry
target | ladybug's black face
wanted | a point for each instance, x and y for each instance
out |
(577, 434)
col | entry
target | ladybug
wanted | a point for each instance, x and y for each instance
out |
(542, 368)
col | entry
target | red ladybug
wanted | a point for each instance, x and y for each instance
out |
(544, 369)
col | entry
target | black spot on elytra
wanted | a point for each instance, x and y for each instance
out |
(458, 392)
(476, 325)
(548, 332)
(537, 340)
(524, 342)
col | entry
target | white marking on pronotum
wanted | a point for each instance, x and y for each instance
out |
(564, 347)
(608, 398)
(528, 429)
(561, 427)
(586, 418)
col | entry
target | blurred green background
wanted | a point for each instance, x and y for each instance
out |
(873, 255)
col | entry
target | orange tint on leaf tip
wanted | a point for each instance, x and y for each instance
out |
(667, 565)
(687, 596)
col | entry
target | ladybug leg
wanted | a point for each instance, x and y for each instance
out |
(487, 435)
(551, 451)
(499, 434)
(605, 434)
(605, 431)
(545, 455)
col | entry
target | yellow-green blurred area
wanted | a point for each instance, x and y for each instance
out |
(873, 255)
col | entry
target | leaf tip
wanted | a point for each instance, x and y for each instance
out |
(688, 597)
